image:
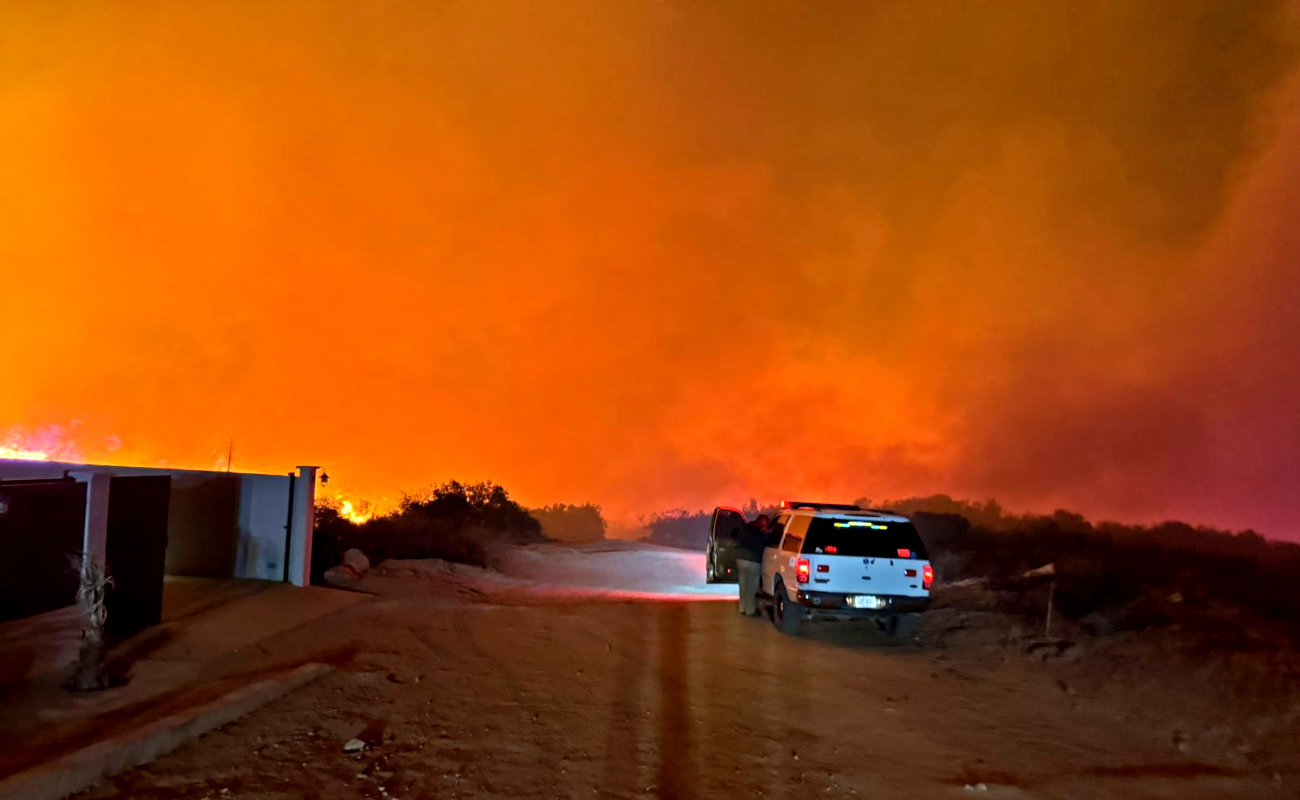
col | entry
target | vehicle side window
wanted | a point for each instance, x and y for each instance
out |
(792, 544)
(726, 524)
(778, 527)
(773, 536)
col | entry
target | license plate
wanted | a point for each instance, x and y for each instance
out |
(867, 601)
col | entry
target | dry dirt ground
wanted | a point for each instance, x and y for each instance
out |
(460, 687)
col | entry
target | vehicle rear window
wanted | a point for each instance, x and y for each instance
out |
(865, 538)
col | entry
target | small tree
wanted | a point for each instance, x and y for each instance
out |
(89, 672)
(571, 523)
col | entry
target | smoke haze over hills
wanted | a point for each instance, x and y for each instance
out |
(656, 255)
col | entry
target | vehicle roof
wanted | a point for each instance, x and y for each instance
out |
(883, 516)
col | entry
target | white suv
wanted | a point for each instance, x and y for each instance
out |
(844, 562)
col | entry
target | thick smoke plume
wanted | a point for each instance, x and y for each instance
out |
(657, 254)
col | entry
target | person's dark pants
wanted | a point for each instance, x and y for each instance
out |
(748, 573)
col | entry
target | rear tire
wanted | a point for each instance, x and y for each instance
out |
(786, 616)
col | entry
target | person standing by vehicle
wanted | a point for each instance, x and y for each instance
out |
(749, 562)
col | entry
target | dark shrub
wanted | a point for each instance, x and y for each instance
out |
(1126, 573)
(571, 523)
(690, 530)
(454, 506)
(679, 528)
(452, 521)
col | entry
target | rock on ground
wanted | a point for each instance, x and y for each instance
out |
(357, 561)
(342, 575)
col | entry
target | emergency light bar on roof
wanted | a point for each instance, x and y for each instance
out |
(795, 504)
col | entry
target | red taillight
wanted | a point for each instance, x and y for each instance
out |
(802, 570)
(927, 576)
(903, 552)
(823, 568)
(831, 549)
(911, 573)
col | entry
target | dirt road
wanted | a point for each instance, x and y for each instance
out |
(470, 688)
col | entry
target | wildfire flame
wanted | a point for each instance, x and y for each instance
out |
(351, 509)
(22, 453)
(17, 444)
(357, 513)
(47, 443)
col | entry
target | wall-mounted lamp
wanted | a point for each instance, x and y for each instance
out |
(324, 478)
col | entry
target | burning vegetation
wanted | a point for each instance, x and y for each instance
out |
(22, 453)
(352, 509)
(44, 444)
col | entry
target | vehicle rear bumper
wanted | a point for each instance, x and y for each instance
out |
(835, 604)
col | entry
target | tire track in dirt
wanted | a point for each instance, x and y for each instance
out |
(621, 774)
(676, 775)
(513, 685)
(498, 681)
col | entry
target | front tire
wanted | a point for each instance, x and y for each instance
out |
(710, 570)
(786, 616)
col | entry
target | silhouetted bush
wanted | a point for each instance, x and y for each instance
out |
(1126, 573)
(571, 523)
(690, 530)
(452, 521)
(678, 528)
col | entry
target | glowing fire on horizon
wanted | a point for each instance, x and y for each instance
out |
(353, 513)
(353, 510)
(46, 443)
(22, 454)
(42, 445)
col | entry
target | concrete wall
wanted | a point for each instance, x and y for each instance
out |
(219, 524)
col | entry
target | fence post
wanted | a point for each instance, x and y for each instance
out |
(1051, 591)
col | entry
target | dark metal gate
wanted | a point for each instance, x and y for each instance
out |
(42, 523)
(136, 550)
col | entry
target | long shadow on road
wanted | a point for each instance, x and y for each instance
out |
(676, 777)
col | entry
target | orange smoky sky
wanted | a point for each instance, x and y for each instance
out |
(657, 254)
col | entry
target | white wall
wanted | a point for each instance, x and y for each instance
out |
(262, 513)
